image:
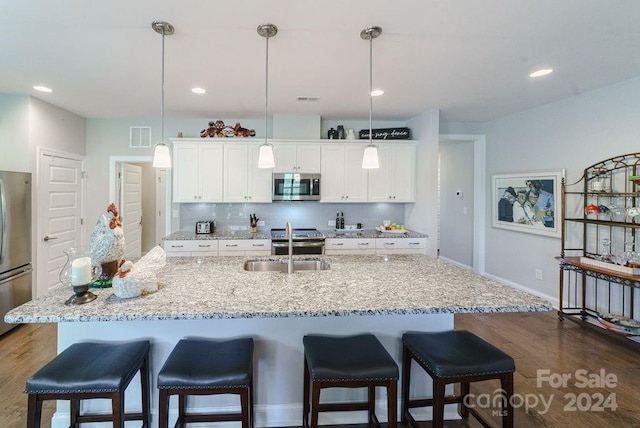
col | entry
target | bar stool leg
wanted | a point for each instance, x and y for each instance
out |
(305, 395)
(464, 392)
(182, 408)
(506, 382)
(438, 403)
(392, 404)
(144, 388)
(315, 403)
(406, 379)
(251, 414)
(74, 412)
(34, 411)
(117, 409)
(371, 401)
(163, 409)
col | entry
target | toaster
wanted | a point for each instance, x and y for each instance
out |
(205, 227)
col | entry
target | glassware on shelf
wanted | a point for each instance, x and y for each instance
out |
(79, 272)
(633, 214)
(616, 213)
(600, 181)
(605, 255)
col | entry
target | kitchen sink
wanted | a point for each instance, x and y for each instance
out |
(281, 265)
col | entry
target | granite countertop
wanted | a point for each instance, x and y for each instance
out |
(219, 287)
(184, 235)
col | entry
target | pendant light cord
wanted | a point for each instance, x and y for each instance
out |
(162, 97)
(370, 89)
(266, 90)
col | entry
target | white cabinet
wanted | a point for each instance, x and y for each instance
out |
(395, 180)
(346, 246)
(190, 248)
(244, 247)
(343, 179)
(243, 180)
(302, 158)
(197, 172)
(401, 245)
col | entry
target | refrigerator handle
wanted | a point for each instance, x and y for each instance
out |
(3, 217)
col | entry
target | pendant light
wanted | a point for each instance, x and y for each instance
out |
(161, 157)
(370, 158)
(265, 156)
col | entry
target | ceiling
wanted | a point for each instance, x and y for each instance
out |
(469, 58)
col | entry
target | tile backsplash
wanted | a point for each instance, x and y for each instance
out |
(300, 214)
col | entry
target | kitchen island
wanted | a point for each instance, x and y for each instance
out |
(215, 297)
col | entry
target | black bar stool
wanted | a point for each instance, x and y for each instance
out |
(92, 370)
(207, 367)
(452, 357)
(347, 362)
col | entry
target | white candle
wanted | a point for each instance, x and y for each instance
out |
(81, 271)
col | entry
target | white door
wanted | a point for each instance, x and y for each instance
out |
(130, 206)
(60, 202)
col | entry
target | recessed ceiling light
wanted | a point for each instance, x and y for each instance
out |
(541, 72)
(198, 90)
(377, 92)
(42, 88)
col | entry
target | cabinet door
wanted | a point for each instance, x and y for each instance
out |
(379, 178)
(185, 173)
(332, 187)
(236, 174)
(402, 176)
(355, 177)
(308, 158)
(285, 157)
(260, 180)
(210, 163)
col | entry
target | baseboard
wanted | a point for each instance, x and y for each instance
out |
(553, 300)
(453, 262)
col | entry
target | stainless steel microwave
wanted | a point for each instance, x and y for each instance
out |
(296, 187)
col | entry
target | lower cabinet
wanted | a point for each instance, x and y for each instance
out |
(401, 246)
(187, 248)
(349, 246)
(244, 247)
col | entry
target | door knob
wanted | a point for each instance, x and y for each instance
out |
(49, 238)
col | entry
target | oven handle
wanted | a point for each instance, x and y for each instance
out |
(298, 244)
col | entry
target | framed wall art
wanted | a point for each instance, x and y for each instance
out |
(528, 202)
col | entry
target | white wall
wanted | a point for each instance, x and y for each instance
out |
(422, 215)
(572, 134)
(14, 133)
(55, 128)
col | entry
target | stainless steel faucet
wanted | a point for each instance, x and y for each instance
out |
(289, 236)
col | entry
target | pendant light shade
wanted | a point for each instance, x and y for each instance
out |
(265, 156)
(161, 156)
(370, 157)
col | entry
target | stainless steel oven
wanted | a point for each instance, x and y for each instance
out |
(305, 241)
(296, 187)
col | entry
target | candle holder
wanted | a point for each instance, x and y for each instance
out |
(79, 272)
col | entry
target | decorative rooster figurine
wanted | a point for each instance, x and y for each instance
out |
(107, 238)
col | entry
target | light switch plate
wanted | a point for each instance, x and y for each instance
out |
(260, 223)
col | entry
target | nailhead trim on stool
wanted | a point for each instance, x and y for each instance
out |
(347, 362)
(92, 370)
(207, 367)
(456, 356)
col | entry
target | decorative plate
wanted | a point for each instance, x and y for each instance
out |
(620, 324)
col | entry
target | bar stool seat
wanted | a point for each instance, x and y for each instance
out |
(452, 357)
(92, 370)
(207, 367)
(347, 362)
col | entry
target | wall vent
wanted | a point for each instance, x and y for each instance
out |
(139, 136)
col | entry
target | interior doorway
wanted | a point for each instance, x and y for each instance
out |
(461, 200)
(153, 190)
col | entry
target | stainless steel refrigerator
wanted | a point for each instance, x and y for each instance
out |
(15, 242)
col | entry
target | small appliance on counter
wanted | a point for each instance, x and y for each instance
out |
(204, 227)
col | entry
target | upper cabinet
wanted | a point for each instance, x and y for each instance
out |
(197, 172)
(395, 180)
(243, 180)
(300, 158)
(343, 179)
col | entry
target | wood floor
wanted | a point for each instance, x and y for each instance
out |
(537, 341)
